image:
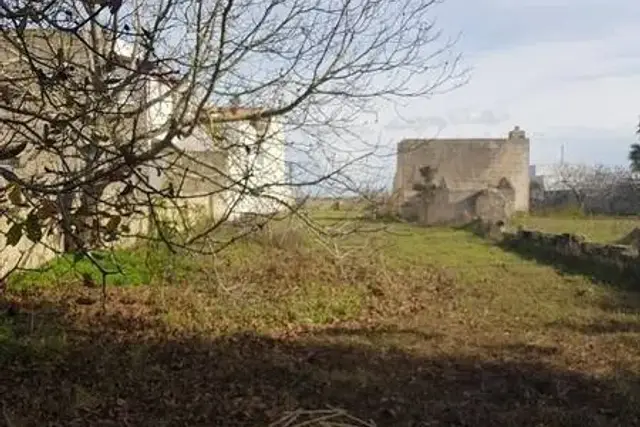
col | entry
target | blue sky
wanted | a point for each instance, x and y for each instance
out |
(566, 71)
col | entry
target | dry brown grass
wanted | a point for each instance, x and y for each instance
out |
(409, 328)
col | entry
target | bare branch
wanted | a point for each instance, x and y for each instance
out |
(118, 117)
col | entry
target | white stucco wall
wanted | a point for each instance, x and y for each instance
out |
(261, 168)
(263, 163)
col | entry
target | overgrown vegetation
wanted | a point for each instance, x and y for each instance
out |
(403, 327)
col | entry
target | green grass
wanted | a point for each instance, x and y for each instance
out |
(122, 268)
(146, 265)
(403, 325)
(599, 229)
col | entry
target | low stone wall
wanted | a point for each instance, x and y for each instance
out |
(604, 261)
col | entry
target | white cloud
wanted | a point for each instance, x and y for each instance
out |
(581, 90)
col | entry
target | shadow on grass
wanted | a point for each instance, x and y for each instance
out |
(524, 350)
(623, 280)
(621, 277)
(380, 332)
(598, 271)
(121, 372)
(600, 328)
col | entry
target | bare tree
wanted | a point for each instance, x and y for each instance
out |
(592, 187)
(101, 99)
(577, 179)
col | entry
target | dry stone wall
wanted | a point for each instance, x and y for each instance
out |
(606, 261)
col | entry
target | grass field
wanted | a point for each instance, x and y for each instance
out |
(600, 229)
(405, 327)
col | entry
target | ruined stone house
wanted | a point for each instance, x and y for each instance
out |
(212, 167)
(472, 178)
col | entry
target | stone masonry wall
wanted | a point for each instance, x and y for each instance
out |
(466, 165)
(610, 261)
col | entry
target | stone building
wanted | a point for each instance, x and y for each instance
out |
(486, 178)
(222, 170)
(235, 169)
